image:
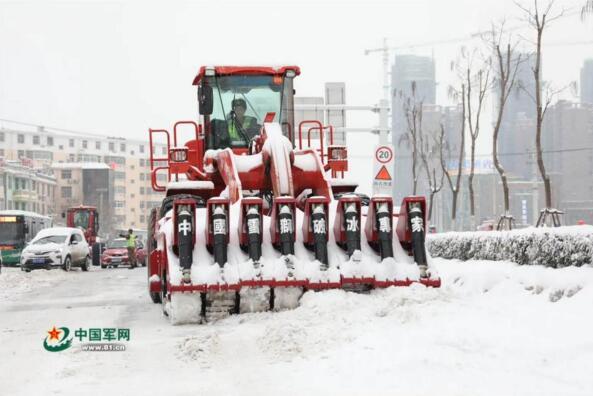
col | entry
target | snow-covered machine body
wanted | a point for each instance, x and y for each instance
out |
(253, 217)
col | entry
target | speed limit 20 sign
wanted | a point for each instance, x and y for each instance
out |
(384, 154)
(383, 169)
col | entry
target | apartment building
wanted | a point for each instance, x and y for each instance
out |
(58, 150)
(24, 187)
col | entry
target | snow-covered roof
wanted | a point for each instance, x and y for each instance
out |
(14, 212)
(55, 231)
(79, 165)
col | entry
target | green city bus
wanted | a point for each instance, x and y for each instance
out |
(17, 228)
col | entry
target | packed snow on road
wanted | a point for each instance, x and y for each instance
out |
(494, 328)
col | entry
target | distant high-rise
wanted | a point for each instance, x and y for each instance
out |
(587, 82)
(407, 71)
(515, 140)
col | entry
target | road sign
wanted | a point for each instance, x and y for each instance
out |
(383, 169)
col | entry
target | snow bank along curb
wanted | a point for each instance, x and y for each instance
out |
(552, 247)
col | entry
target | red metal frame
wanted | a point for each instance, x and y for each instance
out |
(305, 283)
(154, 170)
(243, 70)
(321, 129)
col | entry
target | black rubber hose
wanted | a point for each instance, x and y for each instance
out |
(385, 230)
(253, 233)
(417, 227)
(351, 223)
(319, 227)
(185, 238)
(219, 231)
(286, 230)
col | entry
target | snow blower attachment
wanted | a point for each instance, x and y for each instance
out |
(247, 175)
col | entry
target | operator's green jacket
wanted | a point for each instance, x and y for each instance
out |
(234, 134)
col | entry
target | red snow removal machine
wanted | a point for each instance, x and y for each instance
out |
(257, 210)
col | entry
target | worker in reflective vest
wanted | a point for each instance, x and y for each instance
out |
(131, 245)
(239, 124)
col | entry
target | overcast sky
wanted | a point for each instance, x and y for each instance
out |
(118, 67)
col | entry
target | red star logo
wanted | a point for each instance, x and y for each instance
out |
(54, 334)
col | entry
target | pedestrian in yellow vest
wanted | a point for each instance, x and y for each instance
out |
(131, 245)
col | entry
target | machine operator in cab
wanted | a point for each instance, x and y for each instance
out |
(240, 126)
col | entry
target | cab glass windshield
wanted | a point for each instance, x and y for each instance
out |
(240, 105)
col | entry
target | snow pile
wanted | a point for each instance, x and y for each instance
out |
(14, 282)
(552, 247)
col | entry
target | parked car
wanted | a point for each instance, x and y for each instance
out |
(63, 247)
(116, 253)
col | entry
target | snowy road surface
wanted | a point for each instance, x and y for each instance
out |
(493, 329)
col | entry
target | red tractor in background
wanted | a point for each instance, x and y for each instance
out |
(254, 216)
(87, 219)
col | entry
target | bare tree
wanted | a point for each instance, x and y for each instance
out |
(539, 20)
(455, 187)
(505, 69)
(429, 154)
(587, 9)
(481, 81)
(413, 112)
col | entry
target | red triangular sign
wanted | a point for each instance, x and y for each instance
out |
(383, 174)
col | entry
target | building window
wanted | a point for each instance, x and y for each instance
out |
(142, 218)
(111, 146)
(132, 195)
(141, 204)
(122, 147)
(141, 148)
(141, 176)
(120, 189)
(141, 161)
(132, 167)
(66, 192)
(66, 174)
(1, 136)
(85, 144)
(98, 145)
(33, 185)
(132, 181)
(36, 139)
(119, 204)
(71, 142)
(120, 175)
(1, 152)
(50, 141)
(20, 138)
(71, 157)
(21, 154)
(141, 190)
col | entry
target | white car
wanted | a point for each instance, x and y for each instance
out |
(57, 247)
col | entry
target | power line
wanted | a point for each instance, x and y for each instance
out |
(50, 128)
(501, 154)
